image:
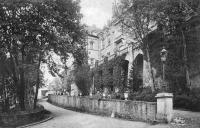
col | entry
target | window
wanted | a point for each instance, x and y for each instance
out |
(102, 57)
(92, 61)
(103, 46)
(110, 71)
(121, 47)
(91, 44)
(108, 42)
(112, 88)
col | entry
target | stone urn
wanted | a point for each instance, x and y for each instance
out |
(126, 95)
(104, 95)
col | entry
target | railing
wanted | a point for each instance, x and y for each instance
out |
(118, 38)
(125, 50)
(101, 62)
(111, 57)
(117, 52)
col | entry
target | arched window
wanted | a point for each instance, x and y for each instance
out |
(91, 44)
(102, 45)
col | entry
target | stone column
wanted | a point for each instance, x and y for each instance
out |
(164, 107)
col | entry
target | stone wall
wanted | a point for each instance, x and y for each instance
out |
(135, 110)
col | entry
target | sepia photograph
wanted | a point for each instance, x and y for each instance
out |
(99, 63)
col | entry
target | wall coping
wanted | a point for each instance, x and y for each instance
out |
(101, 99)
(160, 111)
(164, 95)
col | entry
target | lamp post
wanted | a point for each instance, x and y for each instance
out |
(163, 55)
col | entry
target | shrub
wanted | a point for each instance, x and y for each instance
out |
(82, 79)
(187, 101)
(119, 96)
(145, 95)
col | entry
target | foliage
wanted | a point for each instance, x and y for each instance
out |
(137, 17)
(82, 78)
(190, 101)
(55, 84)
(177, 32)
(173, 21)
(119, 96)
(67, 80)
(30, 29)
(175, 28)
(7, 87)
(172, 14)
(109, 74)
(144, 95)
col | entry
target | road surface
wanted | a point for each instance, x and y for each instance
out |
(69, 119)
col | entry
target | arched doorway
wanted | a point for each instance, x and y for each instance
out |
(124, 73)
(137, 73)
(139, 65)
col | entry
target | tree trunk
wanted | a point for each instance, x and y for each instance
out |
(22, 85)
(21, 90)
(16, 75)
(151, 70)
(5, 105)
(38, 81)
(187, 75)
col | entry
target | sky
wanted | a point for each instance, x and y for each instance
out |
(96, 12)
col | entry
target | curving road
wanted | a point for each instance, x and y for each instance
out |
(69, 119)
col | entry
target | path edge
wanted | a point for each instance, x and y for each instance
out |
(35, 123)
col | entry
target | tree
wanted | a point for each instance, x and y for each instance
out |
(6, 83)
(30, 29)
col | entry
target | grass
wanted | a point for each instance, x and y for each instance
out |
(25, 118)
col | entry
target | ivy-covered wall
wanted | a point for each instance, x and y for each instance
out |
(175, 70)
(111, 74)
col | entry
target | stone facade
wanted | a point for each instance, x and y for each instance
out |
(114, 41)
(194, 71)
(92, 45)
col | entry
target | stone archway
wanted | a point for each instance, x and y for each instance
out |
(137, 73)
(125, 72)
(139, 66)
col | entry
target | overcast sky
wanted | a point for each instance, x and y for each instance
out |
(96, 12)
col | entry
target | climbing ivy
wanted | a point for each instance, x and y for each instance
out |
(110, 74)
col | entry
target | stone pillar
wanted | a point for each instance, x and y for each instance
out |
(130, 58)
(147, 77)
(164, 107)
(129, 71)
